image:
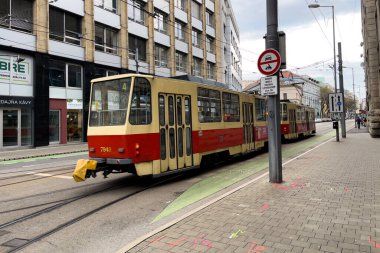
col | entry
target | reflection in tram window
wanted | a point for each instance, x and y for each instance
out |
(140, 113)
(172, 143)
(180, 142)
(162, 110)
(163, 143)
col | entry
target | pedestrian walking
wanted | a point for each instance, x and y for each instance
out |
(358, 122)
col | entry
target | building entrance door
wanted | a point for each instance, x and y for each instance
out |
(10, 127)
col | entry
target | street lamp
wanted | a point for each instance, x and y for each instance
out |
(313, 6)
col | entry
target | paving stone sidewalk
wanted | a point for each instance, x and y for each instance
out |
(6, 155)
(329, 202)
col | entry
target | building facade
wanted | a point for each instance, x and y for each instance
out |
(295, 88)
(307, 90)
(51, 49)
(371, 43)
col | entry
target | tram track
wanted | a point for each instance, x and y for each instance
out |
(84, 215)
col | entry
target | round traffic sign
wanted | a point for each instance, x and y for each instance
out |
(269, 62)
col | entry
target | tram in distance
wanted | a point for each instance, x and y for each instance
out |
(152, 125)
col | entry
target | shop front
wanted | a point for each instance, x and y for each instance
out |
(15, 121)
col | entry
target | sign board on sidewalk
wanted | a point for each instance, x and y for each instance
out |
(269, 62)
(336, 102)
(269, 86)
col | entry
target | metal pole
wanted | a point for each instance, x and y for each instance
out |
(353, 89)
(137, 60)
(341, 88)
(274, 132)
(333, 17)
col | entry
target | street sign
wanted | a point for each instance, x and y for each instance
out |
(269, 86)
(269, 62)
(336, 102)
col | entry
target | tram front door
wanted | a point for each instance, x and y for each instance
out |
(249, 136)
(176, 150)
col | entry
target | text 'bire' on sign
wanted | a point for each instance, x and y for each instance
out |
(269, 86)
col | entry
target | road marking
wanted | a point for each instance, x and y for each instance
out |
(40, 164)
(48, 175)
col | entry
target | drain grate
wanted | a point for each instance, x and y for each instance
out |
(16, 242)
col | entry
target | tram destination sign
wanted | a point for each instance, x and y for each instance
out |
(269, 86)
(7, 101)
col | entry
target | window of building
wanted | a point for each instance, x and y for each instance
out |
(210, 19)
(209, 106)
(136, 11)
(105, 39)
(196, 10)
(109, 5)
(180, 30)
(141, 106)
(210, 44)
(161, 21)
(17, 14)
(260, 108)
(196, 37)
(161, 56)
(99, 72)
(63, 74)
(74, 76)
(181, 61)
(136, 43)
(181, 4)
(210, 70)
(231, 107)
(64, 26)
(197, 65)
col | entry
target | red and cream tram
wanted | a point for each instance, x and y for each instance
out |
(152, 125)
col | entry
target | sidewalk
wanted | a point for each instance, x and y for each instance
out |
(42, 151)
(329, 202)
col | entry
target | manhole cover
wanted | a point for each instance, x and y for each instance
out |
(15, 242)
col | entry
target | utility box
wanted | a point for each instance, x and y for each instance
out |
(335, 125)
(282, 38)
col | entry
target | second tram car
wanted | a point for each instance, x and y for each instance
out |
(152, 125)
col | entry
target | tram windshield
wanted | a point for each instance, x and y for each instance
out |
(109, 102)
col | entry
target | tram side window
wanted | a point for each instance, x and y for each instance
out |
(298, 114)
(260, 108)
(209, 105)
(284, 112)
(141, 109)
(231, 107)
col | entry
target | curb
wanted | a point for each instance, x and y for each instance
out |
(42, 155)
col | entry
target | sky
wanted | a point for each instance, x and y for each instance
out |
(309, 38)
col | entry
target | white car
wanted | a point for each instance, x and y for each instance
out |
(318, 120)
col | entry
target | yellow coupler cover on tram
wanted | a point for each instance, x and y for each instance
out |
(80, 171)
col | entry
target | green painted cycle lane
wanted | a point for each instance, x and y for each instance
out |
(238, 172)
(32, 159)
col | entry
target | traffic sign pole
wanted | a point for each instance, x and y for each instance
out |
(341, 88)
(274, 131)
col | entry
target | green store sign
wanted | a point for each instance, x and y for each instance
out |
(13, 72)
